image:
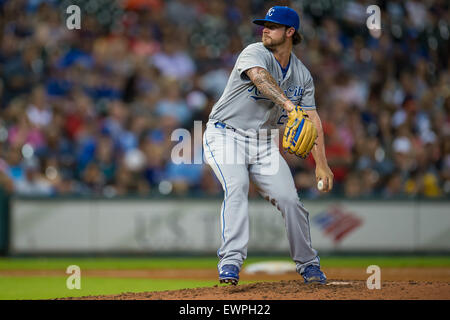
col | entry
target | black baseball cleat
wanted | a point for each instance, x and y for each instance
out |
(229, 274)
(231, 281)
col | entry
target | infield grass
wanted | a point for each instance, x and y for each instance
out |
(50, 287)
(29, 288)
(124, 263)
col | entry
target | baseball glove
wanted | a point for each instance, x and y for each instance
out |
(300, 133)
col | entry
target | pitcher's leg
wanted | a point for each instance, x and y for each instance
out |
(234, 225)
(234, 217)
(279, 189)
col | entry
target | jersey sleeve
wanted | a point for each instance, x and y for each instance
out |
(308, 102)
(249, 58)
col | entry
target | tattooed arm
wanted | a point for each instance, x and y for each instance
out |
(265, 83)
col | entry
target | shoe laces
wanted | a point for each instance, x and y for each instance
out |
(229, 268)
(313, 270)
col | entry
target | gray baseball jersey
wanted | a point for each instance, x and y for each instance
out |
(243, 106)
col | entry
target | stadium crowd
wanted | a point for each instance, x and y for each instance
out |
(91, 111)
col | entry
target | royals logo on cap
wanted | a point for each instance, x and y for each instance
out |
(281, 15)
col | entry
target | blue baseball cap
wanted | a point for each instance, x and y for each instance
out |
(281, 15)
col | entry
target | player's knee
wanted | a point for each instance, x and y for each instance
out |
(291, 200)
(239, 188)
(285, 200)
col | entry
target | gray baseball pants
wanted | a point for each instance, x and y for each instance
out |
(236, 157)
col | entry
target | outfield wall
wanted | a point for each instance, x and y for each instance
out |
(103, 226)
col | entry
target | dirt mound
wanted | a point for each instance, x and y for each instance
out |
(336, 289)
(431, 283)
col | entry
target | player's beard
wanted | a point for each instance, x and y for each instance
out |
(271, 44)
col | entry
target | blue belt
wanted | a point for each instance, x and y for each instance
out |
(223, 125)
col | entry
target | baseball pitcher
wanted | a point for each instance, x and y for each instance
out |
(269, 87)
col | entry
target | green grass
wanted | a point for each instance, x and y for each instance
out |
(28, 288)
(49, 287)
(389, 261)
(201, 263)
(105, 263)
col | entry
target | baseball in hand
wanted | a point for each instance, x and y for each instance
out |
(320, 185)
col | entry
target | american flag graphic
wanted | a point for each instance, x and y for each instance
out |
(337, 223)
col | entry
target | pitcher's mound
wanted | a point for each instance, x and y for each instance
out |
(335, 289)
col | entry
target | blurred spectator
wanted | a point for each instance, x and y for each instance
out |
(393, 186)
(172, 104)
(172, 61)
(6, 184)
(305, 182)
(92, 111)
(39, 112)
(33, 182)
(353, 186)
